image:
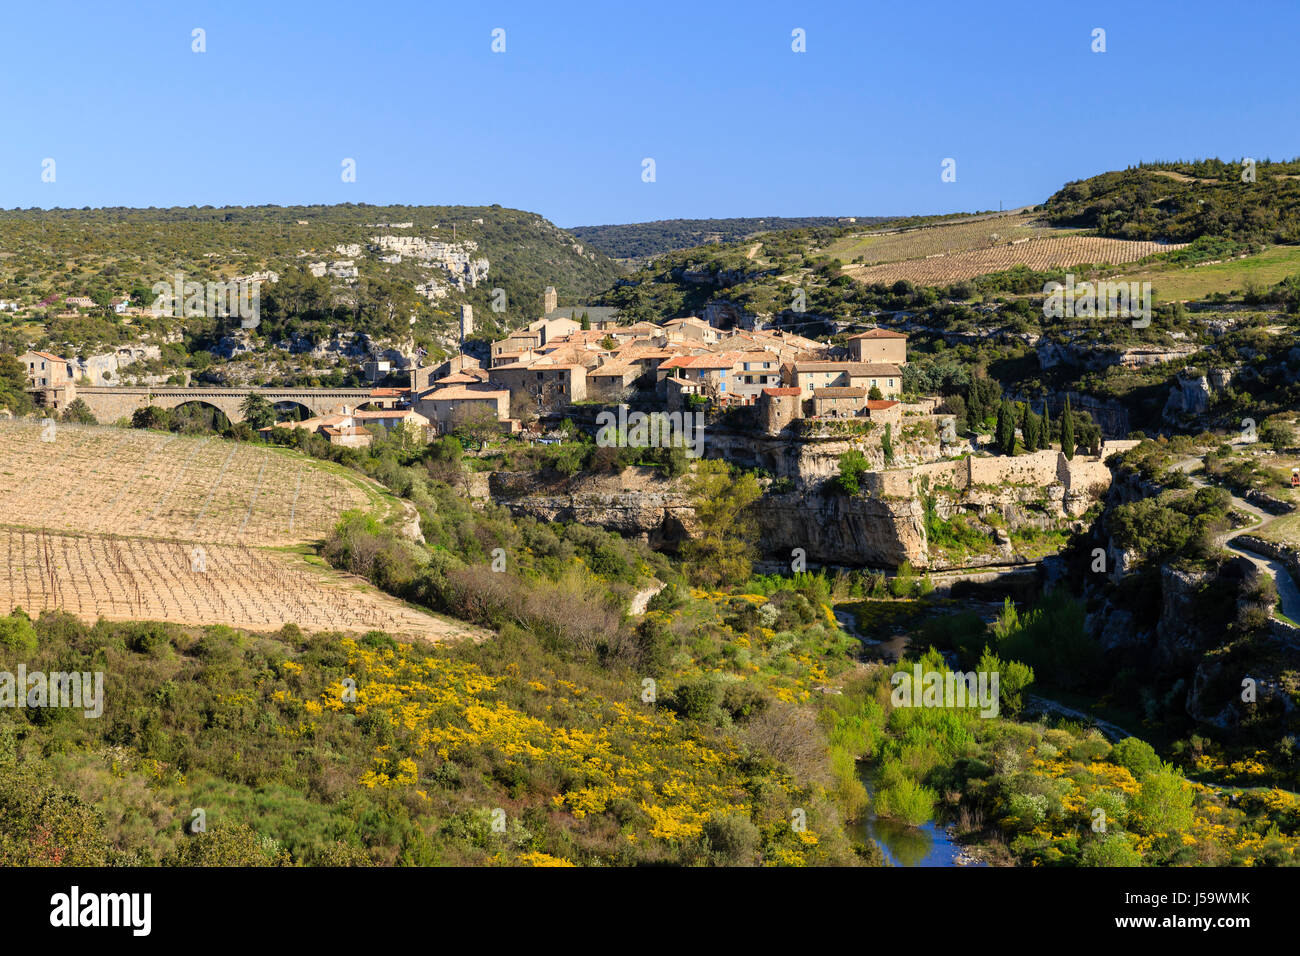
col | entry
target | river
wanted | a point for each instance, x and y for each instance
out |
(926, 845)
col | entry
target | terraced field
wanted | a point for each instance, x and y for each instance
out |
(1046, 253)
(136, 482)
(137, 525)
(947, 239)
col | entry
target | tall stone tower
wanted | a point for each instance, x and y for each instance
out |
(466, 322)
(550, 300)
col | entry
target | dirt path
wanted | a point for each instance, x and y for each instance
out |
(1287, 591)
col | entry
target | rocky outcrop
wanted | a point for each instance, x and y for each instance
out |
(835, 529)
(1179, 642)
(830, 528)
(635, 504)
(1214, 697)
(1188, 396)
(812, 461)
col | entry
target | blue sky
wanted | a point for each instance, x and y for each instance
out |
(738, 124)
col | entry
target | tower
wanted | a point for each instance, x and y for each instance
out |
(466, 322)
(550, 300)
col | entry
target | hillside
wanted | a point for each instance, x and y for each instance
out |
(1182, 201)
(639, 240)
(377, 268)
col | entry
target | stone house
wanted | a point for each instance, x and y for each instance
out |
(878, 345)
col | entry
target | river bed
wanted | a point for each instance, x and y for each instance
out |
(926, 845)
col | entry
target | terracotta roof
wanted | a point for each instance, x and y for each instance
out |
(879, 404)
(611, 369)
(782, 390)
(877, 334)
(852, 368)
(455, 392)
(388, 392)
(387, 413)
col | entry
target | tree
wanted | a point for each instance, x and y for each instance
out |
(875, 394)
(1047, 427)
(983, 396)
(1163, 804)
(257, 411)
(722, 552)
(79, 413)
(1067, 431)
(586, 322)
(151, 416)
(1113, 849)
(227, 844)
(479, 426)
(13, 386)
(1006, 431)
(1032, 430)
(1136, 756)
(1013, 678)
(852, 466)
(887, 443)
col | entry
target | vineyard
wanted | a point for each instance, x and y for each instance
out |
(129, 524)
(138, 482)
(1037, 254)
(946, 239)
(128, 579)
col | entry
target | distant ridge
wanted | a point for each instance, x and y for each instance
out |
(639, 240)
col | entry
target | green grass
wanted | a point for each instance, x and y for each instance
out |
(1170, 283)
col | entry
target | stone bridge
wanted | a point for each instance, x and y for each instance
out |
(109, 403)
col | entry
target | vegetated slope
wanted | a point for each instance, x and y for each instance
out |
(640, 239)
(1183, 200)
(113, 252)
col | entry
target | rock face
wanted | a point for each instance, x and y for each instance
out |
(813, 461)
(875, 530)
(635, 506)
(1110, 415)
(1189, 395)
(834, 529)
(830, 529)
(1178, 641)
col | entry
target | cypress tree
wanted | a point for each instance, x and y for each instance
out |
(1045, 441)
(1006, 432)
(1067, 431)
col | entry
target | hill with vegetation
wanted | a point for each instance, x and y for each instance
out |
(639, 240)
(48, 256)
(1182, 201)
